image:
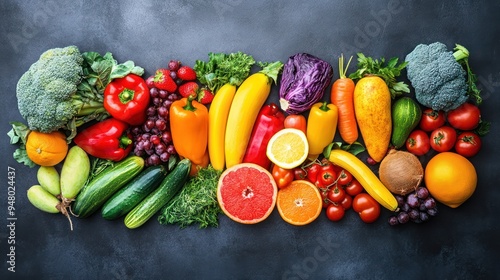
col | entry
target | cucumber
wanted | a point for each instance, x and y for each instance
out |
(134, 192)
(174, 181)
(406, 114)
(94, 194)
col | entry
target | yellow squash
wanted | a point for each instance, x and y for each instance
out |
(372, 106)
(321, 127)
(247, 102)
(365, 176)
(217, 119)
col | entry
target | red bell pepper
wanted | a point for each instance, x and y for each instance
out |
(107, 139)
(127, 99)
(269, 121)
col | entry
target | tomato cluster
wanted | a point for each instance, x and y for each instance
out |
(340, 191)
(444, 132)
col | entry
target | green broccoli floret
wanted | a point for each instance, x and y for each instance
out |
(48, 96)
(439, 79)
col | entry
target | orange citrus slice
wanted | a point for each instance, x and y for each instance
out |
(288, 148)
(300, 203)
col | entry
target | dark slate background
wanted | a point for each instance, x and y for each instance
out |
(460, 243)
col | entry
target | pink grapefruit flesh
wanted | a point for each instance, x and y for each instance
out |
(247, 193)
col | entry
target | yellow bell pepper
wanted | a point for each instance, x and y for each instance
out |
(321, 127)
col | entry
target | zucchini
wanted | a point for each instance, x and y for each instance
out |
(105, 184)
(134, 192)
(406, 114)
(168, 188)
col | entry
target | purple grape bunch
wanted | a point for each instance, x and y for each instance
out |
(153, 139)
(418, 206)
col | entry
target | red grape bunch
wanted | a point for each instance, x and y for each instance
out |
(153, 139)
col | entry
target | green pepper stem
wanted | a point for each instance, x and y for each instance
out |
(126, 96)
(324, 107)
(125, 141)
(189, 104)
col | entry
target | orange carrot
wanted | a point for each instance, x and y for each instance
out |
(342, 96)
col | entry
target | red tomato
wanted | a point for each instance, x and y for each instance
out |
(335, 212)
(367, 207)
(299, 173)
(324, 197)
(313, 171)
(443, 139)
(347, 202)
(336, 194)
(354, 188)
(344, 177)
(431, 120)
(326, 175)
(283, 177)
(468, 144)
(296, 121)
(465, 117)
(418, 142)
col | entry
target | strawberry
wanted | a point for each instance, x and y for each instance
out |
(186, 73)
(188, 89)
(162, 80)
(205, 96)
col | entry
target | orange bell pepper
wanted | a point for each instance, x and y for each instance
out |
(189, 128)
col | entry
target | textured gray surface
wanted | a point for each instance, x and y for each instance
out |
(460, 243)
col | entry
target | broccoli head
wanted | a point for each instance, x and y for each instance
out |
(438, 77)
(48, 96)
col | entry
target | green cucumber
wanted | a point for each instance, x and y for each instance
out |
(134, 192)
(168, 188)
(94, 194)
(406, 114)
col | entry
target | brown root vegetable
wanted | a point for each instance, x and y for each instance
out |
(401, 172)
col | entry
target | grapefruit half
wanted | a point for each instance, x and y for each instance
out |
(247, 193)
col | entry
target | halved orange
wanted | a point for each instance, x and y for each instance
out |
(246, 193)
(300, 203)
(288, 148)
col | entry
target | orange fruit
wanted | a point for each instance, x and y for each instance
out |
(46, 149)
(450, 178)
(288, 148)
(300, 203)
(246, 193)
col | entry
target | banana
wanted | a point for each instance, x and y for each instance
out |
(370, 182)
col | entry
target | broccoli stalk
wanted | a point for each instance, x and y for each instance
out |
(461, 54)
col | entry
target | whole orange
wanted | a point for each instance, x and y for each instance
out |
(450, 178)
(46, 149)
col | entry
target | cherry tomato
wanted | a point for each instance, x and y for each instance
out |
(299, 173)
(354, 188)
(468, 144)
(335, 212)
(347, 202)
(326, 176)
(336, 194)
(313, 171)
(367, 207)
(344, 177)
(418, 142)
(283, 177)
(465, 117)
(324, 196)
(296, 121)
(431, 120)
(443, 139)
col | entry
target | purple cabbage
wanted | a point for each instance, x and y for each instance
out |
(303, 82)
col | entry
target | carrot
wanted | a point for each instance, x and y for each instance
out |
(342, 96)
